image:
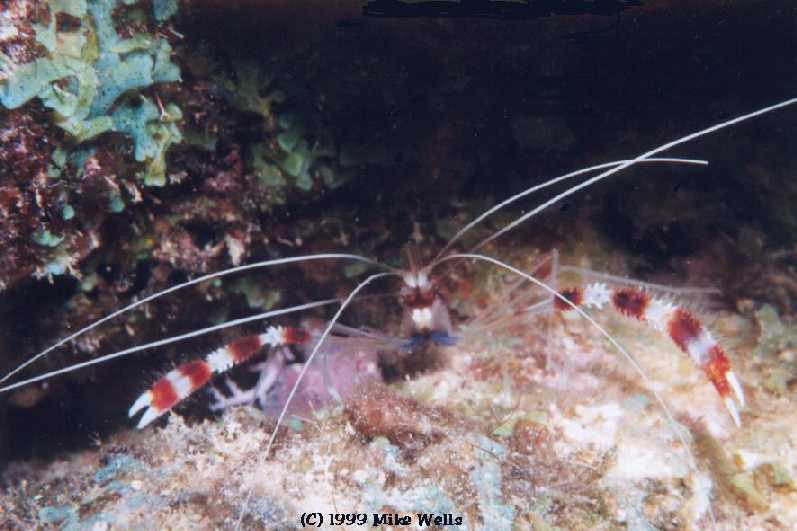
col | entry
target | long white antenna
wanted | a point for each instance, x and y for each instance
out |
(546, 184)
(168, 341)
(299, 379)
(624, 165)
(627, 355)
(203, 278)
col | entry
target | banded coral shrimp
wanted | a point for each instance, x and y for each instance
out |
(428, 322)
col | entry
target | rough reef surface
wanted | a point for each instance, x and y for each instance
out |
(493, 437)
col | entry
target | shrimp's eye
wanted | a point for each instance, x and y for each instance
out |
(418, 291)
(428, 294)
(409, 297)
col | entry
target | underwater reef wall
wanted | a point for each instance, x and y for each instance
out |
(70, 64)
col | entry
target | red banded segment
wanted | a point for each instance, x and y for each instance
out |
(296, 336)
(717, 369)
(692, 338)
(164, 396)
(631, 302)
(197, 372)
(170, 390)
(574, 295)
(683, 327)
(244, 348)
(180, 383)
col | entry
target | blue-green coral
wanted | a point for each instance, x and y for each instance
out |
(295, 157)
(153, 132)
(89, 68)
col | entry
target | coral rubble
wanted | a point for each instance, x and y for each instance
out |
(494, 437)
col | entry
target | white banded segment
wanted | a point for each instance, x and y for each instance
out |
(699, 348)
(178, 384)
(658, 313)
(596, 296)
(682, 326)
(223, 358)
